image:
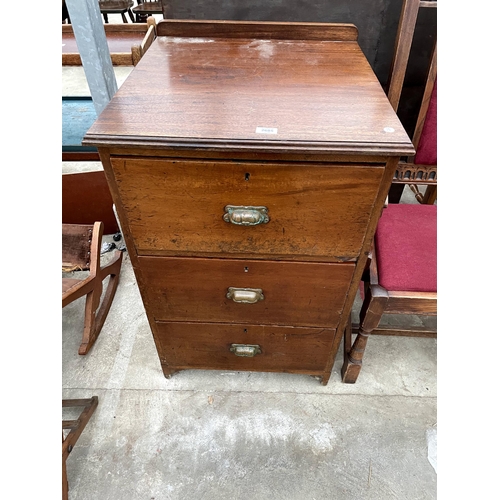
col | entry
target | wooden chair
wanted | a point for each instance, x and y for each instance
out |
(420, 170)
(401, 273)
(147, 8)
(75, 428)
(117, 7)
(81, 246)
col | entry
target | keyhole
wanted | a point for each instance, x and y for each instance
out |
(247, 176)
(244, 330)
(246, 269)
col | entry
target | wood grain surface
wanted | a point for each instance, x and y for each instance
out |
(316, 211)
(216, 92)
(295, 293)
(206, 346)
(335, 32)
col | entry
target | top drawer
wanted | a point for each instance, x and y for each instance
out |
(179, 206)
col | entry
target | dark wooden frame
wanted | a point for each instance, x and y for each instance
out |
(81, 251)
(75, 427)
(407, 171)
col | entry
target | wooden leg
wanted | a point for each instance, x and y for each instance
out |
(75, 427)
(65, 489)
(94, 318)
(105, 18)
(131, 15)
(371, 311)
(430, 195)
(418, 195)
(64, 476)
(89, 327)
(325, 378)
(124, 18)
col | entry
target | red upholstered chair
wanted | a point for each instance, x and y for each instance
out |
(401, 273)
(401, 278)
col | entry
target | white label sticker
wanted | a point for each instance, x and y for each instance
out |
(266, 130)
(388, 129)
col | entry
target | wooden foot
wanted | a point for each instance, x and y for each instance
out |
(168, 371)
(325, 378)
(350, 369)
(371, 312)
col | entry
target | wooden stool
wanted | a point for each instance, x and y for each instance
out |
(116, 7)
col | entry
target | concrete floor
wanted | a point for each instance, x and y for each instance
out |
(216, 435)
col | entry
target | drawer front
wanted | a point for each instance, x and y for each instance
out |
(244, 347)
(246, 291)
(315, 212)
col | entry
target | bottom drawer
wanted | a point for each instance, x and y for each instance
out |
(221, 346)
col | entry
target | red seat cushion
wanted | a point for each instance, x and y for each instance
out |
(406, 248)
(427, 145)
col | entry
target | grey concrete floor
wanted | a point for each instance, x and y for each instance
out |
(217, 435)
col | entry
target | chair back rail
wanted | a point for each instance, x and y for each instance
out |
(76, 246)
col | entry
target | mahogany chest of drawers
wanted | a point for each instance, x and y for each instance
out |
(249, 163)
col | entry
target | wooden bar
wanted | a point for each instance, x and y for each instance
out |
(259, 30)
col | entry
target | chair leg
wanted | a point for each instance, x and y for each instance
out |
(94, 318)
(65, 488)
(124, 18)
(371, 311)
(90, 332)
(105, 18)
(131, 15)
(75, 427)
(430, 195)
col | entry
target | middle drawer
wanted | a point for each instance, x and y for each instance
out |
(245, 291)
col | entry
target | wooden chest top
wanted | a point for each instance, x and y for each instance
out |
(261, 86)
